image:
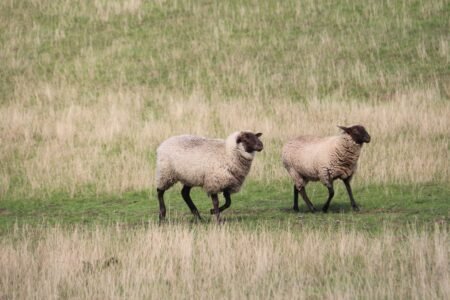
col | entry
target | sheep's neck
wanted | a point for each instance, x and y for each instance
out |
(239, 167)
(346, 156)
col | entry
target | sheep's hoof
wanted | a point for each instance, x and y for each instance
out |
(356, 208)
(212, 211)
(197, 215)
(295, 208)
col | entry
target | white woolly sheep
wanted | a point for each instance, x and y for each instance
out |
(216, 165)
(311, 158)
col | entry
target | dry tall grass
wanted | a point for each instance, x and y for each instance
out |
(53, 142)
(222, 262)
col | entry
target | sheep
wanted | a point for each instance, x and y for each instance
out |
(311, 158)
(217, 165)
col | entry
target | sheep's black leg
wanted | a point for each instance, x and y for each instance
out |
(330, 196)
(350, 194)
(162, 206)
(185, 192)
(227, 204)
(306, 199)
(295, 199)
(215, 200)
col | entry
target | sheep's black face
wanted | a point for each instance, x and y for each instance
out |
(358, 133)
(250, 141)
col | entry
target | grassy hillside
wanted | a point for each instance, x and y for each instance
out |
(297, 50)
(88, 89)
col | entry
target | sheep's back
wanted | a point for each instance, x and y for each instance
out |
(307, 154)
(189, 158)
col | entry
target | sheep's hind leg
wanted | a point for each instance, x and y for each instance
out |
(227, 204)
(295, 199)
(185, 193)
(306, 199)
(350, 194)
(299, 186)
(162, 206)
(330, 197)
(215, 200)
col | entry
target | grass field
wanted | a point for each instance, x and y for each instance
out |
(88, 89)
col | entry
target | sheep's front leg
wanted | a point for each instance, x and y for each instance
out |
(350, 193)
(330, 196)
(227, 204)
(306, 199)
(215, 200)
(185, 193)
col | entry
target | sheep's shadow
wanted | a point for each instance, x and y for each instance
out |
(248, 215)
(338, 208)
(334, 208)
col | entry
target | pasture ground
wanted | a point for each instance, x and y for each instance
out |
(88, 89)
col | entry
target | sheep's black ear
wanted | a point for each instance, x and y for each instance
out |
(343, 128)
(258, 134)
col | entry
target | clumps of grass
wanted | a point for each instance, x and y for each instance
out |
(99, 265)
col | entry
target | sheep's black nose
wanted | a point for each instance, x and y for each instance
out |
(368, 139)
(259, 148)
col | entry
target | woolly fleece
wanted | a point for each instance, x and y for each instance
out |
(214, 164)
(310, 158)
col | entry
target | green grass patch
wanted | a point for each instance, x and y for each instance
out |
(257, 204)
(204, 46)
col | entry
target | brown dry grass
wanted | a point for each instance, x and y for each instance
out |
(224, 262)
(55, 142)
